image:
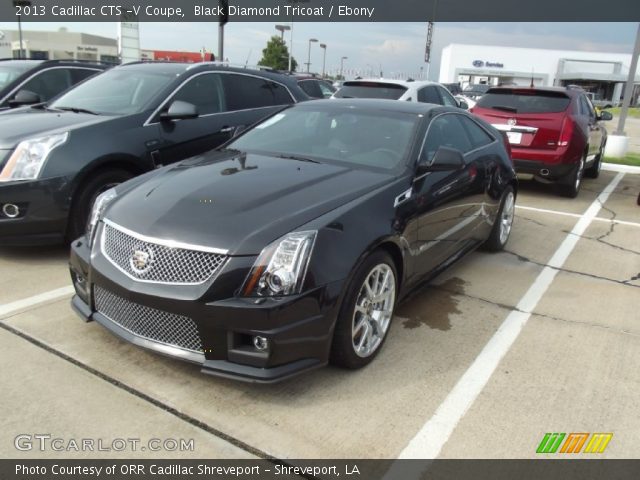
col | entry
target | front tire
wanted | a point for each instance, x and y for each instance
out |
(86, 196)
(504, 221)
(366, 312)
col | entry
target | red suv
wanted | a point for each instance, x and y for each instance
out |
(555, 133)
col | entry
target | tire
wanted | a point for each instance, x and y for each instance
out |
(594, 170)
(86, 195)
(501, 229)
(572, 186)
(358, 335)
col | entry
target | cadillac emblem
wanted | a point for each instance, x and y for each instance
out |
(512, 122)
(141, 259)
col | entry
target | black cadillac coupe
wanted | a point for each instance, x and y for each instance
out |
(289, 247)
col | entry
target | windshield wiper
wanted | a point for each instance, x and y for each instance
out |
(296, 157)
(505, 108)
(76, 110)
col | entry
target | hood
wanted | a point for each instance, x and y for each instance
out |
(236, 201)
(19, 125)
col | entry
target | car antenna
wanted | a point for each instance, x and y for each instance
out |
(532, 71)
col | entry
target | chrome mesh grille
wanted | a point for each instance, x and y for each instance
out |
(149, 323)
(162, 264)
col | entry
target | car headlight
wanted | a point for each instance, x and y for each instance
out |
(281, 267)
(29, 157)
(101, 203)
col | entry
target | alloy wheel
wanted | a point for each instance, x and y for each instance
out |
(373, 310)
(506, 219)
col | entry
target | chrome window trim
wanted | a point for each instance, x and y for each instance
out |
(150, 121)
(426, 134)
(17, 89)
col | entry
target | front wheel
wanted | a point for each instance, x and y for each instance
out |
(504, 221)
(366, 312)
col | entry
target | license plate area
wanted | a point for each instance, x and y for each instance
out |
(515, 138)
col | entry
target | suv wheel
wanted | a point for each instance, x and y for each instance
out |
(594, 170)
(366, 313)
(86, 196)
(574, 182)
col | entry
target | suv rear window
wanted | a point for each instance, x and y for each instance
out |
(388, 91)
(525, 101)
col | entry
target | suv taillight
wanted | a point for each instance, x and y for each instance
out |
(566, 133)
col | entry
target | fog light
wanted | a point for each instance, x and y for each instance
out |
(81, 286)
(10, 210)
(260, 343)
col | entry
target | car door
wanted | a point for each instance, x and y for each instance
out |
(594, 128)
(453, 200)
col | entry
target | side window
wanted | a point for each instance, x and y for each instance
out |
(447, 98)
(49, 83)
(445, 131)
(429, 95)
(586, 107)
(245, 92)
(326, 90)
(311, 88)
(203, 91)
(80, 74)
(478, 136)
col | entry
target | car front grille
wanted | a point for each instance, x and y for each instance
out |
(148, 261)
(148, 323)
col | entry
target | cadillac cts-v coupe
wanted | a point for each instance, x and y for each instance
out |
(290, 246)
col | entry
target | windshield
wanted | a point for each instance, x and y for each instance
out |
(387, 91)
(525, 101)
(116, 92)
(476, 88)
(375, 139)
(8, 73)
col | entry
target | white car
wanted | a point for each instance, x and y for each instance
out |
(409, 90)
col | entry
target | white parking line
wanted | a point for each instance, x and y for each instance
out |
(27, 303)
(577, 215)
(429, 441)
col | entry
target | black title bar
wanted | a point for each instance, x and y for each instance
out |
(321, 10)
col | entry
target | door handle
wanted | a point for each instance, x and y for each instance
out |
(227, 129)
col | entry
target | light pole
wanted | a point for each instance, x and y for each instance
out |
(342, 66)
(311, 40)
(21, 3)
(282, 29)
(323, 46)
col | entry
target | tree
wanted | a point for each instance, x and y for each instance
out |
(276, 55)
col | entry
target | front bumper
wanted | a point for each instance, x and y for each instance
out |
(298, 328)
(43, 208)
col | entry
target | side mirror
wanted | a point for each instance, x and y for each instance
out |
(24, 97)
(179, 110)
(462, 104)
(445, 159)
(606, 116)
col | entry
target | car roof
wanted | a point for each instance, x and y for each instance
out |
(404, 83)
(568, 91)
(413, 108)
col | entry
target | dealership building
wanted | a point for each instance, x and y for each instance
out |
(604, 74)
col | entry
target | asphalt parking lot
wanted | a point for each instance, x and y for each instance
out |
(499, 350)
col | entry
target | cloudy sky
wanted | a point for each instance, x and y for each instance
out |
(394, 47)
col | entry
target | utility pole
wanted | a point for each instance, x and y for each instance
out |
(224, 18)
(628, 89)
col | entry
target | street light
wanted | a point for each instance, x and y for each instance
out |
(21, 3)
(311, 40)
(323, 46)
(282, 29)
(342, 66)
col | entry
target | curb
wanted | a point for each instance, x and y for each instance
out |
(613, 167)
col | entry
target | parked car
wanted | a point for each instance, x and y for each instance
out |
(405, 90)
(27, 82)
(291, 245)
(475, 90)
(314, 86)
(555, 133)
(55, 159)
(454, 88)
